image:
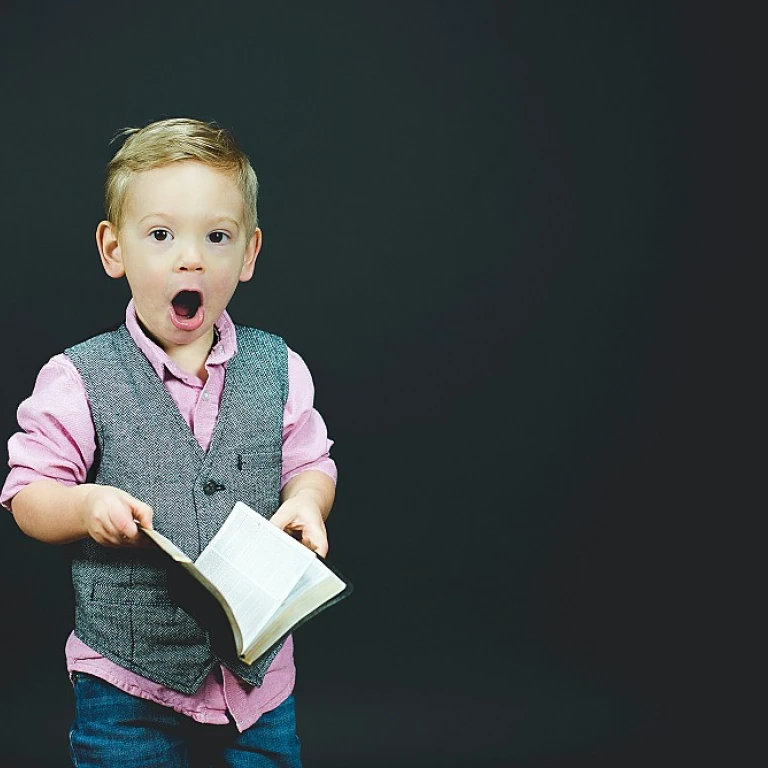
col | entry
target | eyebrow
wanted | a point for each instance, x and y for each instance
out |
(215, 218)
(226, 218)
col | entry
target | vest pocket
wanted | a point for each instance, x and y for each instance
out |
(144, 629)
(119, 595)
(259, 471)
(255, 461)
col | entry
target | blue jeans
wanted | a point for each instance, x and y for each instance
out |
(113, 729)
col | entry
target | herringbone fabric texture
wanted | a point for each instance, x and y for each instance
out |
(124, 605)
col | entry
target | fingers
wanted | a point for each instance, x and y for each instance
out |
(304, 525)
(320, 545)
(281, 518)
(113, 518)
(142, 513)
(119, 529)
(313, 537)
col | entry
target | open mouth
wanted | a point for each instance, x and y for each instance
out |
(186, 311)
(186, 303)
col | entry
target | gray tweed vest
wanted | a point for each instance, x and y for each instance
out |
(127, 606)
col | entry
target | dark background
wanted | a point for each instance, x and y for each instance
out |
(507, 239)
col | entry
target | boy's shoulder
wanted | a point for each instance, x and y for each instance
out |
(250, 332)
(255, 343)
(103, 340)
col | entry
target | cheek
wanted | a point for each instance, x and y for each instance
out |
(224, 284)
(148, 284)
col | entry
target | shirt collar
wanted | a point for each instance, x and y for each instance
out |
(224, 348)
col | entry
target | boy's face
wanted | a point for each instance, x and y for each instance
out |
(183, 249)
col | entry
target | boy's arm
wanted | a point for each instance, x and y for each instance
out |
(50, 458)
(306, 503)
(59, 514)
(309, 473)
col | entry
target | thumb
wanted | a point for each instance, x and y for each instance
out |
(281, 518)
(318, 544)
(142, 514)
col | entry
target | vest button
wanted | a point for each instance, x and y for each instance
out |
(211, 487)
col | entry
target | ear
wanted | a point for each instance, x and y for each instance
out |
(109, 249)
(251, 252)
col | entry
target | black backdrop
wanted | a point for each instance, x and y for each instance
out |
(503, 237)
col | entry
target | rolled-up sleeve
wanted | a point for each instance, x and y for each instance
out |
(305, 436)
(56, 440)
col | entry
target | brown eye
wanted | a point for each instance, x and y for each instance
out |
(160, 235)
(218, 237)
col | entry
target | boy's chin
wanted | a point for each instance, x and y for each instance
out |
(170, 337)
(177, 338)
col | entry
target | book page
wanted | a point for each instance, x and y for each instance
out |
(185, 562)
(317, 585)
(314, 575)
(254, 565)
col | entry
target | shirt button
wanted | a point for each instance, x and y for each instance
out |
(205, 395)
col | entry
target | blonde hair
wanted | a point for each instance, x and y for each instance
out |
(171, 141)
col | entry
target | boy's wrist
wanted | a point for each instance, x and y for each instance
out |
(313, 487)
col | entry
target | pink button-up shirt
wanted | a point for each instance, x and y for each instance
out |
(58, 441)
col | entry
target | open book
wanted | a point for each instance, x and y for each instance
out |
(266, 581)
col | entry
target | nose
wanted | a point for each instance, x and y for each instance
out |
(190, 259)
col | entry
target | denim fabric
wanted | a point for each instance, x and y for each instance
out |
(113, 729)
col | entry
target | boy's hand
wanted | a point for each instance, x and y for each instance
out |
(112, 517)
(302, 518)
(307, 499)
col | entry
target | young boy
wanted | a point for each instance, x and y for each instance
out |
(166, 423)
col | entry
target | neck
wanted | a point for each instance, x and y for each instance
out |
(189, 357)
